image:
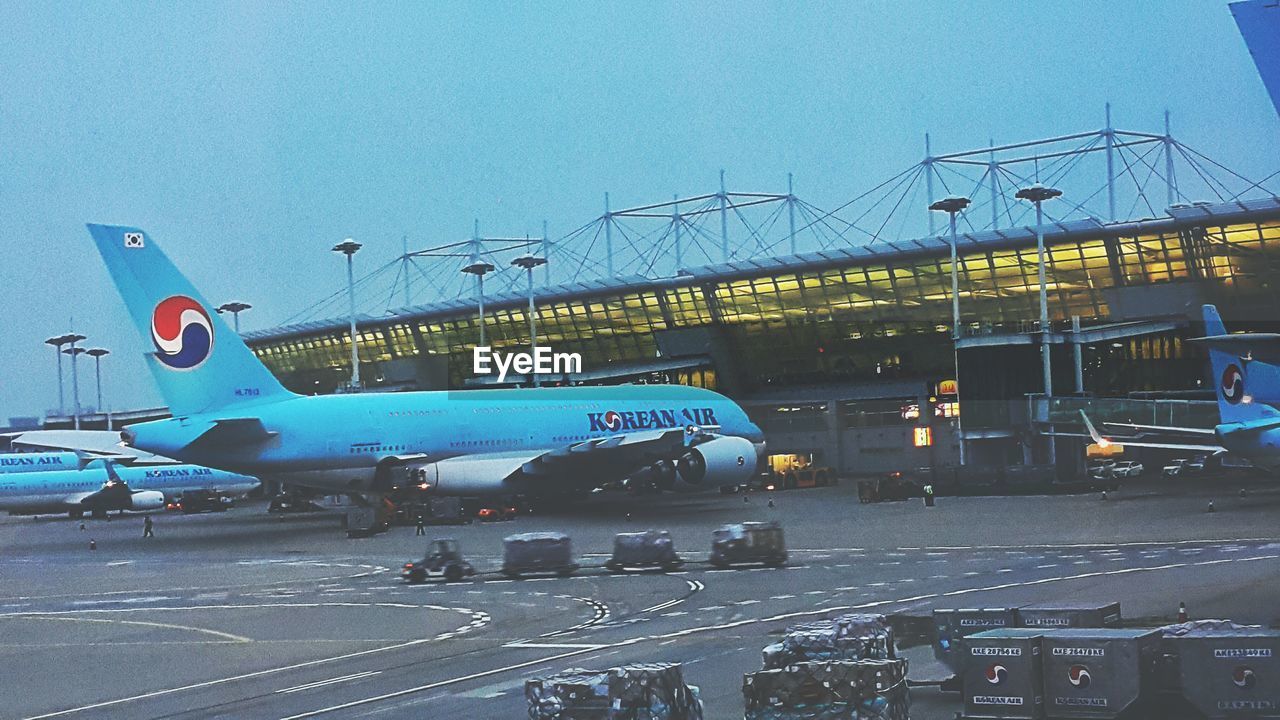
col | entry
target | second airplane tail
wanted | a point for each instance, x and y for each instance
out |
(1235, 398)
(198, 362)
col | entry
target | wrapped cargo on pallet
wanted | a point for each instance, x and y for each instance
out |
(653, 691)
(855, 636)
(840, 690)
(638, 549)
(575, 693)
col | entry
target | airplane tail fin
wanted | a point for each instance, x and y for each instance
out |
(198, 362)
(1093, 431)
(1235, 400)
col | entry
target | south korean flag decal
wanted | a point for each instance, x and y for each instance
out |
(133, 240)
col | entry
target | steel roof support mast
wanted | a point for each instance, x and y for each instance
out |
(724, 220)
(1110, 135)
(951, 206)
(1037, 194)
(529, 262)
(349, 247)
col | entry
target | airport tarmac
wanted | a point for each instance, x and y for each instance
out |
(245, 614)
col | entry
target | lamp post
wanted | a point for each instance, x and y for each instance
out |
(1037, 194)
(951, 206)
(57, 342)
(529, 262)
(349, 247)
(96, 354)
(75, 352)
(479, 268)
(235, 308)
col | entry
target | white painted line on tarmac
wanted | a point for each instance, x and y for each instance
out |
(330, 681)
(552, 646)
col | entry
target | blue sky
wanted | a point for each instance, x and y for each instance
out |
(250, 137)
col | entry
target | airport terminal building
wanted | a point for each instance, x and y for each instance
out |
(845, 356)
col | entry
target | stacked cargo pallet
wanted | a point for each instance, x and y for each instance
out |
(651, 691)
(855, 636)
(835, 690)
(841, 669)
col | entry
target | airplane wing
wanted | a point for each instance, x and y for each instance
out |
(90, 443)
(575, 466)
(1138, 441)
(1162, 428)
(1263, 347)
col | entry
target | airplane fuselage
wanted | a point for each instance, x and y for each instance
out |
(338, 441)
(64, 490)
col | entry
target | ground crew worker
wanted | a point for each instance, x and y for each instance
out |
(422, 526)
(928, 495)
(147, 531)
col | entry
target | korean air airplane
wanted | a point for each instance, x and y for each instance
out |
(38, 462)
(104, 486)
(230, 412)
(1247, 369)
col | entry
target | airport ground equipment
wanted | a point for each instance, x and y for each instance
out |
(1069, 615)
(856, 636)
(443, 560)
(953, 624)
(1002, 674)
(748, 543)
(648, 549)
(650, 691)
(839, 690)
(363, 521)
(1215, 670)
(1100, 673)
(537, 553)
(202, 501)
(445, 511)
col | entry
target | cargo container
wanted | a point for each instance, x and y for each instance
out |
(1101, 673)
(1002, 674)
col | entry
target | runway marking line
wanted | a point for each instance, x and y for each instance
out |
(330, 681)
(166, 626)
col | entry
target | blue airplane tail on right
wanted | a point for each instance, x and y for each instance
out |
(1230, 374)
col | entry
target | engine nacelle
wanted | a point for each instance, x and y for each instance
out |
(722, 461)
(465, 476)
(146, 500)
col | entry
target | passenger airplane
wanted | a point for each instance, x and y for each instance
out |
(38, 462)
(1249, 424)
(104, 486)
(230, 412)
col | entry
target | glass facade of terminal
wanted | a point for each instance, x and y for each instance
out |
(877, 318)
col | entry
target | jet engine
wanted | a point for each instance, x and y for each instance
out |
(146, 500)
(466, 476)
(722, 461)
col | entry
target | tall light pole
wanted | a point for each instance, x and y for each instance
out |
(96, 354)
(1037, 194)
(75, 352)
(529, 262)
(235, 308)
(349, 247)
(951, 206)
(57, 342)
(479, 268)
